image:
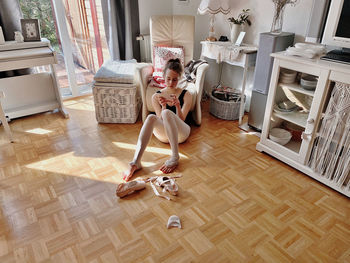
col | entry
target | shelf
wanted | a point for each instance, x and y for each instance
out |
(296, 87)
(293, 145)
(32, 109)
(297, 118)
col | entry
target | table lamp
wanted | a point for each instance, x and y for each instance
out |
(213, 7)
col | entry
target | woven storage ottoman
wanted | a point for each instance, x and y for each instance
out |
(116, 103)
(227, 110)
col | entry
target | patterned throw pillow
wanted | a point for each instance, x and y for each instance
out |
(161, 54)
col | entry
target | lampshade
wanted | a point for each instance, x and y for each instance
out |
(214, 7)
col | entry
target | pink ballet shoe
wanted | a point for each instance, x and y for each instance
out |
(168, 184)
(125, 189)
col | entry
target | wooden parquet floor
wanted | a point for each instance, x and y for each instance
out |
(58, 203)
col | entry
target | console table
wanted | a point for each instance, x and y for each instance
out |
(242, 56)
(33, 93)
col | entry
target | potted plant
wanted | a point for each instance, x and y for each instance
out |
(236, 23)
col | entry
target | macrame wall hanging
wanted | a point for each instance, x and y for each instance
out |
(331, 154)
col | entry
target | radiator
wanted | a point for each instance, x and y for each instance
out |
(145, 48)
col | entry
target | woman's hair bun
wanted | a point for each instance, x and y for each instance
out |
(175, 60)
(173, 64)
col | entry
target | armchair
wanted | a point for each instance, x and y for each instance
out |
(173, 30)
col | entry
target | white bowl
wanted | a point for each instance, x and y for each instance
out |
(280, 136)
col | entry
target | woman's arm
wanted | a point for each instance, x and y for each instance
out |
(182, 112)
(158, 103)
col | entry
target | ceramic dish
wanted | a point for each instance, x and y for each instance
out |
(279, 110)
(308, 87)
(287, 80)
(287, 105)
(287, 76)
(280, 136)
(308, 82)
(309, 78)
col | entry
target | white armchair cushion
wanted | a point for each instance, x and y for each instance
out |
(161, 56)
(173, 31)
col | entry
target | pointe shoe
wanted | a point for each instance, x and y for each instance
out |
(124, 189)
(168, 184)
(174, 221)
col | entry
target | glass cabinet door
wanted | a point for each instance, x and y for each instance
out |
(296, 92)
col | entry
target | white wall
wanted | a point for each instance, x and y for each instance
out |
(147, 8)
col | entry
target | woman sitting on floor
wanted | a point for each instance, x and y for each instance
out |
(169, 125)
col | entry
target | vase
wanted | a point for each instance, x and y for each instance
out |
(277, 22)
(235, 29)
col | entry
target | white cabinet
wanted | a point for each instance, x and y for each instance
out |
(305, 121)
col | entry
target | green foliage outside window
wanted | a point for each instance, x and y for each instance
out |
(42, 10)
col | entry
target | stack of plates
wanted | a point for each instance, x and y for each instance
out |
(287, 76)
(308, 82)
(277, 109)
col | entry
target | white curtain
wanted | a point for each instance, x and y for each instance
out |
(121, 23)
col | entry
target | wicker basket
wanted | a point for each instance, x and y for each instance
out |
(227, 110)
(116, 104)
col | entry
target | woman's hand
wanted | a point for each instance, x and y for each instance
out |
(175, 101)
(162, 101)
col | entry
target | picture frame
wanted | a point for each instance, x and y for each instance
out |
(30, 30)
(240, 39)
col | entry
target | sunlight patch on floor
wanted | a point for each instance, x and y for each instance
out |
(148, 149)
(107, 169)
(38, 131)
(86, 106)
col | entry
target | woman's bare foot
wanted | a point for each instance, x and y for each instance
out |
(169, 166)
(130, 172)
(167, 169)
